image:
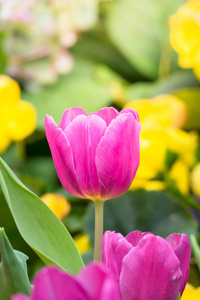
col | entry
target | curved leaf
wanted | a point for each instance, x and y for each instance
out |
(38, 225)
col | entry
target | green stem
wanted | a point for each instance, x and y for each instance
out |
(98, 229)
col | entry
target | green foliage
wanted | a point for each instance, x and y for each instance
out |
(195, 249)
(141, 32)
(156, 212)
(79, 88)
(13, 270)
(179, 297)
(38, 225)
(168, 85)
(3, 55)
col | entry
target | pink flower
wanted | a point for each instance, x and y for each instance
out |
(96, 156)
(93, 283)
(147, 266)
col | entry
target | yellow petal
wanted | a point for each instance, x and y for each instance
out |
(191, 293)
(21, 120)
(163, 110)
(180, 174)
(185, 34)
(153, 144)
(9, 91)
(183, 143)
(82, 243)
(4, 142)
(57, 203)
(195, 180)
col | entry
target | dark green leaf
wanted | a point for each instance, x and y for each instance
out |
(13, 270)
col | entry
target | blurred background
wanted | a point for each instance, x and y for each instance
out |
(55, 54)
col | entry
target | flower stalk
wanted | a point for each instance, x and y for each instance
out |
(98, 230)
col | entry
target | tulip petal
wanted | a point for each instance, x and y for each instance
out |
(110, 291)
(150, 271)
(135, 236)
(107, 114)
(181, 245)
(84, 134)
(62, 157)
(114, 248)
(94, 279)
(51, 283)
(69, 115)
(117, 156)
(132, 111)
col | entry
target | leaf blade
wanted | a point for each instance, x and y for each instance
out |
(38, 225)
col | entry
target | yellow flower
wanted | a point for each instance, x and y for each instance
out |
(149, 185)
(57, 203)
(153, 147)
(185, 34)
(180, 174)
(82, 243)
(17, 117)
(195, 180)
(191, 293)
(161, 119)
(183, 143)
(163, 110)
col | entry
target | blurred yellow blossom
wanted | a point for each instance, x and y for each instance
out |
(57, 203)
(82, 243)
(163, 110)
(183, 143)
(153, 145)
(149, 185)
(161, 118)
(191, 293)
(185, 35)
(195, 180)
(180, 174)
(17, 117)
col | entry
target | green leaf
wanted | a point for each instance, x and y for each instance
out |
(141, 32)
(13, 270)
(168, 85)
(156, 212)
(3, 55)
(38, 225)
(179, 297)
(95, 46)
(195, 249)
(79, 88)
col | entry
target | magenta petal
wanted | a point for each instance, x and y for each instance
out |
(69, 115)
(130, 110)
(114, 248)
(62, 157)
(20, 297)
(117, 156)
(181, 245)
(107, 114)
(84, 134)
(135, 236)
(94, 279)
(150, 271)
(51, 283)
(110, 291)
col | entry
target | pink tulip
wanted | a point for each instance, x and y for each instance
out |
(96, 156)
(147, 266)
(93, 283)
